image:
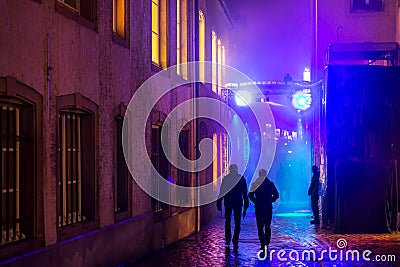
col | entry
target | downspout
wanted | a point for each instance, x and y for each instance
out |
(196, 109)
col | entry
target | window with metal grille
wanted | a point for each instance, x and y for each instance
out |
(76, 182)
(160, 163)
(10, 182)
(17, 184)
(122, 184)
(184, 176)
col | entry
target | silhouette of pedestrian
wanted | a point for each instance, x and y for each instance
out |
(233, 192)
(313, 192)
(263, 193)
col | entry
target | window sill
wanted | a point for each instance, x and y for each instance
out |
(161, 215)
(120, 216)
(76, 229)
(155, 68)
(120, 41)
(19, 247)
(65, 11)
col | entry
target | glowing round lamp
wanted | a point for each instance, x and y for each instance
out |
(243, 99)
(301, 100)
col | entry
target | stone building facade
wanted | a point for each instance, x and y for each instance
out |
(68, 69)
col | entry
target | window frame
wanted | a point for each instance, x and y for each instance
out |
(182, 33)
(13, 90)
(69, 12)
(123, 41)
(78, 103)
(202, 44)
(155, 55)
(214, 60)
(121, 215)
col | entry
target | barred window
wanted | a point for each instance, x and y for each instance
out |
(122, 184)
(17, 184)
(76, 182)
(10, 164)
(160, 163)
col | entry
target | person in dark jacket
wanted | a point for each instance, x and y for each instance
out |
(233, 192)
(313, 192)
(263, 193)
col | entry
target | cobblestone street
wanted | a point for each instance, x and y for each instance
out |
(291, 232)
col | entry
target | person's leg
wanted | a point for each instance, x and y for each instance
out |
(237, 215)
(228, 234)
(260, 227)
(315, 208)
(268, 219)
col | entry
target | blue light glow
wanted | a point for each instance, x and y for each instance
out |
(301, 100)
(243, 99)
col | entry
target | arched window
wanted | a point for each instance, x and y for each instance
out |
(21, 166)
(76, 161)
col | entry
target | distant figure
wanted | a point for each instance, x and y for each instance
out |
(233, 191)
(313, 192)
(283, 175)
(263, 193)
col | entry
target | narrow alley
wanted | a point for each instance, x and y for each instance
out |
(291, 232)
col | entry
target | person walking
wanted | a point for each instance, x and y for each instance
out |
(313, 193)
(233, 192)
(263, 193)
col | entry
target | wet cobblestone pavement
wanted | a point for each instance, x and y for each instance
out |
(291, 233)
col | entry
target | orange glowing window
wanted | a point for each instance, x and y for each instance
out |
(219, 65)
(223, 82)
(119, 18)
(214, 61)
(181, 36)
(215, 162)
(155, 31)
(202, 35)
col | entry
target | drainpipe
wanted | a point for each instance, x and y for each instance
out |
(196, 95)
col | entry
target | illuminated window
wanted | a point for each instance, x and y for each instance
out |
(202, 29)
(159, 32)
(181, 36)
(84, 8)
(214, 61)
(221, 155)
(219, 65)
(215, 162)
(119, 18)
(223, 82)
(155, 31)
